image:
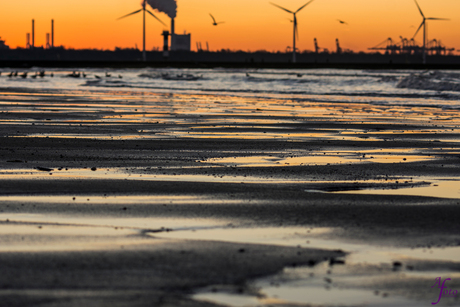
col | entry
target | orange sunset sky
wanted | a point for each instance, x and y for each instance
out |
(249, 24)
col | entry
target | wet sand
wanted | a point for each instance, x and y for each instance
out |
(136, 199)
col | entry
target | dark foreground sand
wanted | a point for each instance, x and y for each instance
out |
(90, 194)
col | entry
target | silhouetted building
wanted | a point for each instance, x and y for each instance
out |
(165, 43)
(181, 42)
(339, 49)
(3, 45)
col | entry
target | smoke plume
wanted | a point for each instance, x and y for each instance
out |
(166, 6)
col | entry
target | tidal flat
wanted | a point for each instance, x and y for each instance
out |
(134, 197)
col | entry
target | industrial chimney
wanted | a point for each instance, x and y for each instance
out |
(172, 27)
(173, 34)
(52, 33)
(33, 33)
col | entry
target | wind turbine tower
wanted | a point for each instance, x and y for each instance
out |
(423, 24)
(296, 31)
(144, 10)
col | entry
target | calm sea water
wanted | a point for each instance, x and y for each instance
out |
(429, 88)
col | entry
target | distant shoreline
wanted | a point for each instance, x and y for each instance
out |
(24, 64)
(67, 58)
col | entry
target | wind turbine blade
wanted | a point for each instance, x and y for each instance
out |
(213, 19)
(280, 7)
(301, 8)
(421, 25)
(433, 18)
(130, 14)
(419, 9)
(156, 18)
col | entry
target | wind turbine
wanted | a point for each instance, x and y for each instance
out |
(143, 10)
(296, 31)
(423, 24)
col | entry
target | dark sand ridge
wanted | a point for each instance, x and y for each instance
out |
(132, 266)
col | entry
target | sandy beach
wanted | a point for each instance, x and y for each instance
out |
(119, 197)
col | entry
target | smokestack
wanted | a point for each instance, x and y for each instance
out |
(48, 45)
(169, 7)
(165, 44)
(173, 33)
(33, 33)
(52, 33)
(28, 40)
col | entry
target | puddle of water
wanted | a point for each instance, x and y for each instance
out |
(323, 285)
(275, 236)
(63, 173)
(130, 175)
(228, 299)
(98, 136)
(244, 135)
(40, 232)
(297, 286)
(315, 285)
(42, 227)
(140, 174)
(118, 173)
(305, 296)
(188, 132)
(322, 295)
(142, 223)
(326, 286)
(23, 237)
(312, 238)
(115, 200)
(444, 188)
(318, 159)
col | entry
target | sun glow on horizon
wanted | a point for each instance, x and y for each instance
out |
(249, 25)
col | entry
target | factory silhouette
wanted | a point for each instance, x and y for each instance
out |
(177, 50)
